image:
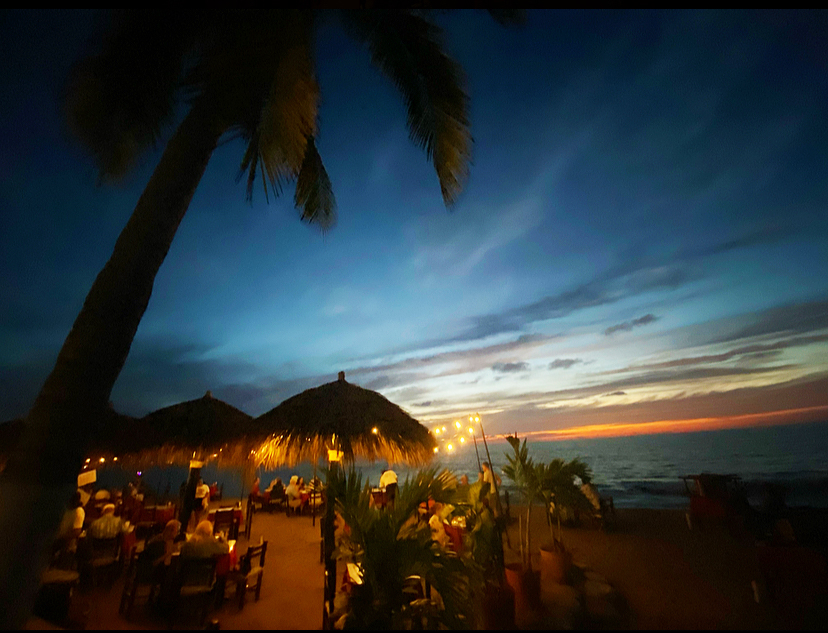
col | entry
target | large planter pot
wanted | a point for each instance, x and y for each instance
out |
(526, 585)
(555, 566)
(498, 607)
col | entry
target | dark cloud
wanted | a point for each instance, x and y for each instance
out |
(754, 352)
(564, 363)
(629, 325)
(799, 318)
(506, 368)
(617, 393)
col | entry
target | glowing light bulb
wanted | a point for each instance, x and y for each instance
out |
(102, 460)
(436, 449)
(444, 429)
(451, 447)
(375, 430)
(457, 424)
(471, 431)
(471, 418)
(462, 440)
(88, 460)
(436, 431)
(477, 418)
(114, 459)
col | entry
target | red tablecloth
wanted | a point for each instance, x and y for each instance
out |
(226, 562)
(127, 543)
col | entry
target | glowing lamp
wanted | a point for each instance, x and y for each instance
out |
(102, 460)
(462, 440)
(375, 430)
(471, 431)
(88, 460)
(451, 447)
(334, 455)
(436, 432)
(444, 429)
(457, 424)
(436, 449)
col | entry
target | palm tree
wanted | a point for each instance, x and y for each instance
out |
(243, 74)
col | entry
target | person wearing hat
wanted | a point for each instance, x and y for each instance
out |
(108, 525)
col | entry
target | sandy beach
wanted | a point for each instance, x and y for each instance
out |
(669, 576)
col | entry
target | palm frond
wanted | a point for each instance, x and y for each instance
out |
(119, 100)
(314, 193)
(408, 49)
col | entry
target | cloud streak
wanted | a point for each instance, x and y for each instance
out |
(629, 325)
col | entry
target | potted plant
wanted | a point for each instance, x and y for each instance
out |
(558, 488)
(522, 471)
(484, 543)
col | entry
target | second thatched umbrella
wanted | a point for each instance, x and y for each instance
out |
(340, 416)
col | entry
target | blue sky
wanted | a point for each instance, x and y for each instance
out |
(643, 235)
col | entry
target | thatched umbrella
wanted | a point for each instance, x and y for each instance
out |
(360, 423)
(339, 416)
(202, 429)
(205, 428)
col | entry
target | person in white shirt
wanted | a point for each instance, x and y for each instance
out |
(387, 477)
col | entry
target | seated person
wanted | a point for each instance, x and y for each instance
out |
(438, 531)
(160, 548)
(256, 490)
(102, 495)
(108, 525)
(202, 543)
(293, 491)
(276, 488)
(387, 477)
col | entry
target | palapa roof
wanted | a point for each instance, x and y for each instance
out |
(343, 416)
(204, 428)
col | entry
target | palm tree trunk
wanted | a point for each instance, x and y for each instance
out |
(41, 474)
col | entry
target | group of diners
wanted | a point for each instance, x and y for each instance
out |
(294, 498)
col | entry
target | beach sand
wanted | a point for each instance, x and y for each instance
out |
(669, 576)
(672, 577)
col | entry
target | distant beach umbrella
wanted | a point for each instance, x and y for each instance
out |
(340, 416)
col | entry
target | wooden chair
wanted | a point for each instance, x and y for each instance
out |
(250, 572)
(195, 580)
(294, 506)
(141, 573)
(225, 519)
(105, 556)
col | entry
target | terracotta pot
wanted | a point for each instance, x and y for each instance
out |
(555, 566)
(526, 585)
(498, 608)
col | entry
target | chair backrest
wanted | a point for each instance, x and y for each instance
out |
(197, 572)
(391, 492)
(225, 517)
(106, 547)
(248, 560)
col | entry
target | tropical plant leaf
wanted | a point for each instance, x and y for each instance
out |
(314, 193)
(409, 50)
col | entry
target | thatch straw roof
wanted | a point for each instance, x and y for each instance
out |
(359, 422)
(205, 428)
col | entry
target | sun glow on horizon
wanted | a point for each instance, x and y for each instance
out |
(622, 429)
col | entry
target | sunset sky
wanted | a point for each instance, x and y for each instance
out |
(643, 238)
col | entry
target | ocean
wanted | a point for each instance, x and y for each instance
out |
(640, 471)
